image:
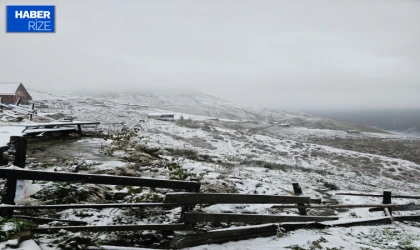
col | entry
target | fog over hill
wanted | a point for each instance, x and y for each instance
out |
(198, 103)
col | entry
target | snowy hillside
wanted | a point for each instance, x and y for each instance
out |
(239, 152)
(197, 103)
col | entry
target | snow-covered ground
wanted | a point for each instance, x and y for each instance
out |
(6, 130)
(240, 151)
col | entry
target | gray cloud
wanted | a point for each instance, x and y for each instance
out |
(285, 54)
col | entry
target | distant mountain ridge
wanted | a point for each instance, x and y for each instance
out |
(406, 121)
(198, 103)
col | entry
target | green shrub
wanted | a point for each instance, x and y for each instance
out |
(67, 193)
(187, 153)
(330, 186)
(178, 173)
(12, 226)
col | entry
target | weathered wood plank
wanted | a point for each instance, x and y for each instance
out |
(56, 124)
(46, 220)
(235, 234)
(356, 222)
(407, 218)
(371, 221)
(381, 195)
(387, 200)
(18, 144)
(221, 236)
(298, 192)
(42, 130)
(216, 198)
(377, 206)
(47, 230)
(217, 237)
(108, 247)
(251, 218)
(2, 156)
(97, 179)
(97, 206)
(408, 207)
(315, 201)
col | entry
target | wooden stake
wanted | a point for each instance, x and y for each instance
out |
(189, 207)
(18, 143)
(387, 200)
(298, 192)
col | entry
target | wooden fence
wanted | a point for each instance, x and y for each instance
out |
(188, 200)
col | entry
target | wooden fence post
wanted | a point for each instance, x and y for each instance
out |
(79, 129)
(298, 192)
(2, 160)
(17, 146)
(387, 200)
(189, 207)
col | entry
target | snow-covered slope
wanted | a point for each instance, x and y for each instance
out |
(197, 103)
(242, 152)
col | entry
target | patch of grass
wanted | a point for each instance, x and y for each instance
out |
(295, 247)
(12, 226)
(354, 215)
(135, 238)
(380, 238)
(206, 158)
(316, 244)
(77, 242)
(188, 123)
(178, 173)
(283, 167)
(409, 247)
(183, 152)
(268, 165)
(123, 139)
(151, 151)
(330, 186)
(137, 194)
(67, 193)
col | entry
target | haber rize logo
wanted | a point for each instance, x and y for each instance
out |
(30, 18)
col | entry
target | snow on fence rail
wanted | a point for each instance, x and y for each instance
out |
(37, 128)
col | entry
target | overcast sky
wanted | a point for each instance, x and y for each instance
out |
(286, 54)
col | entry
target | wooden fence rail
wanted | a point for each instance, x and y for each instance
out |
(220, 198)
(221, 236)
(46, 220)
(96, 179)
(96, 206)
(251, 218)
(248, 232)
(375, 207)
(188, 200)
(406, 207)
(161, 227)
(380, 195)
